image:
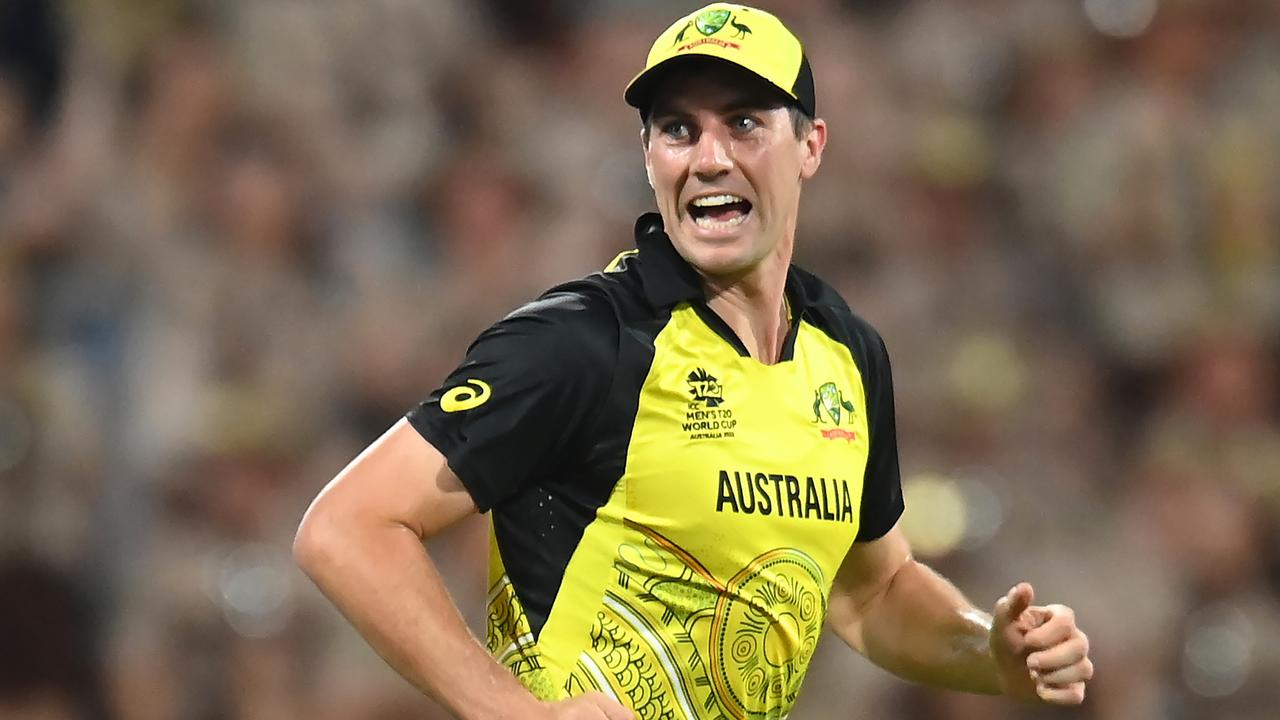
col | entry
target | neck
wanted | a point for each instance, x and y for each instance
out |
(752, 305)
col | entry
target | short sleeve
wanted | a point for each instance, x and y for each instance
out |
(882, 483)
(515, 409)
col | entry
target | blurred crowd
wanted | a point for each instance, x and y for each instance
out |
(239, 239)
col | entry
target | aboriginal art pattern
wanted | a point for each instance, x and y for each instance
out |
(686, 644)
(509, 638)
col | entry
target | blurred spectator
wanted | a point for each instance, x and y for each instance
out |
(48, 670)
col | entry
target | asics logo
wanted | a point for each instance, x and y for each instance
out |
(471, 394)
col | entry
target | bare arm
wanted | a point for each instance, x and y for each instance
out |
(361, 542)
(911, 621)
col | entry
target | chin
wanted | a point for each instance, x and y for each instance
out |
(718, 252)
(731, 259)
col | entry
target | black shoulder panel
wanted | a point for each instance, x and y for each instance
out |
(547, 450)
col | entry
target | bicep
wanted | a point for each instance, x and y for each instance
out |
(865, 574)
(400, 479)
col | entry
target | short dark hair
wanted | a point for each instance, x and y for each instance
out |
(801, 123)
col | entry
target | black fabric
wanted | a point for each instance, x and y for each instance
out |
(548, 447)
(667, 278)
(547, 364)
(641, 93)
(882, 503)
(806, 98)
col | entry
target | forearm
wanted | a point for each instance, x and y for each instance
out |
(923, 629)
(387, 586)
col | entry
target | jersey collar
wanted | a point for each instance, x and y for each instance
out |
(669, 280)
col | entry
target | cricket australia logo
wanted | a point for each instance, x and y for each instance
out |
(706, 418)
(709, 23)
(830, 407)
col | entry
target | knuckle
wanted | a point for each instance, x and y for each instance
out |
(1081, 646)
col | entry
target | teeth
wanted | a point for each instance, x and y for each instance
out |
(707, 223)
(715, 200)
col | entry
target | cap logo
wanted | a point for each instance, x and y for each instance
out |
(710, 21)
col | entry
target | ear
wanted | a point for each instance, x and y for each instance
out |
(644, 147)
(813, 145)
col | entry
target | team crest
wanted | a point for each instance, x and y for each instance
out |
(830, 406)
(710, 22)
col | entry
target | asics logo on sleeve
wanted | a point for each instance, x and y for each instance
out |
(471, 394)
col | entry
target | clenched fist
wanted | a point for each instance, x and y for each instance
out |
(1039, 651)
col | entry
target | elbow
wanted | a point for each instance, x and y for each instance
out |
(315, 542)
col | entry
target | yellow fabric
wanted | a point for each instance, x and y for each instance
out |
(686, 598)
(616, 264)
(751, 38)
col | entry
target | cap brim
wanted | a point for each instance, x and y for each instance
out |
(640, 91)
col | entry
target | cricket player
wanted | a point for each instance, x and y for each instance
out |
(689, 458)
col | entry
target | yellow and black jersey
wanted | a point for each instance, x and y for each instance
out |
(668, 512)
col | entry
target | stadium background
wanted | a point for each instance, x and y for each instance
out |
(238, 239)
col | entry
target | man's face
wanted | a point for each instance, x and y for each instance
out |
(726, 168)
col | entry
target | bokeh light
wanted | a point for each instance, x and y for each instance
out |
(1120, 18)
(937, 517)
(1218, 652)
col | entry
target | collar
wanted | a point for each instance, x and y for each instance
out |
(668, 279)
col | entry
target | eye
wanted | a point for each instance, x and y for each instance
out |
(743, 123)
(675, 129)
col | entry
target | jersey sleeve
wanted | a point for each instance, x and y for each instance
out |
(882, 483)
(517, 405)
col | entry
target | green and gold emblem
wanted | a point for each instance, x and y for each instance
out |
(710, 22)
(829, 398)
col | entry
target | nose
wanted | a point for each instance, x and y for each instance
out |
(711, 159)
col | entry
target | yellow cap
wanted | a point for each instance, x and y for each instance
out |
(750, 38)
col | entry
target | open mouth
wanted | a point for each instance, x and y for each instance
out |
(719, 212)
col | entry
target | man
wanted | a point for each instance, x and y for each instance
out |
(690, 457)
